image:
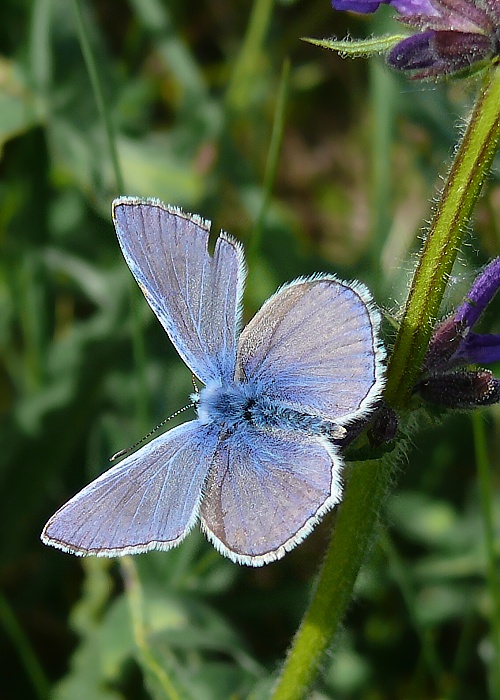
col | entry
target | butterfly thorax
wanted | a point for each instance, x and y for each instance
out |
(236, 403)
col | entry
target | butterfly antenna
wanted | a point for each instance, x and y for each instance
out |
(195, 385)
(128, 450)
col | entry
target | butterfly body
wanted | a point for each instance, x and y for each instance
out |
(235, 404)
(257, 466)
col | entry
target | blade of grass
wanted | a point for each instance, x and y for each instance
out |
(137, 334)
(97, 88)
(271, 163)
(465, 653)
(31, 317)
(166, 687)
(382, 101)
(399, 571)
(21, 643)
(40, 52)
(243, 75)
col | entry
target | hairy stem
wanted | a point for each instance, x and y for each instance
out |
(369, 482)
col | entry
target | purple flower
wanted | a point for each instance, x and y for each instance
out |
(454, 343)
(434, 53)
(404, 7)
(454, 35)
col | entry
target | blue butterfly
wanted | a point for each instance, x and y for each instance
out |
(257, 466)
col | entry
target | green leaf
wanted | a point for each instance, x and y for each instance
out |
(359, 47)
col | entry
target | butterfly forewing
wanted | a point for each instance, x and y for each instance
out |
(195, 296)
(313, 346)
(148, 501)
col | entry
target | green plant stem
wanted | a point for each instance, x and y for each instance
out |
(486, 492)
(354, 528)
(369, 482)
(468, 172)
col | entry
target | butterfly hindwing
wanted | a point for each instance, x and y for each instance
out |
(266, 491)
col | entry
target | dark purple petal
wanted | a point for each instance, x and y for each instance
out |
(445, 343)
(364, 6)
(479, 349)
(460, 389)
(404, 7)
(413, 53)
(480, 294)
(440, 52)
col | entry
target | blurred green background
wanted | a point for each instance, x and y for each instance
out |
(319, 164)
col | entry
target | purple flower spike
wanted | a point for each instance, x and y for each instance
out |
(414, 7)
(454, 343)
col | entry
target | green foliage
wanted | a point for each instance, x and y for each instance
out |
(207, 115)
